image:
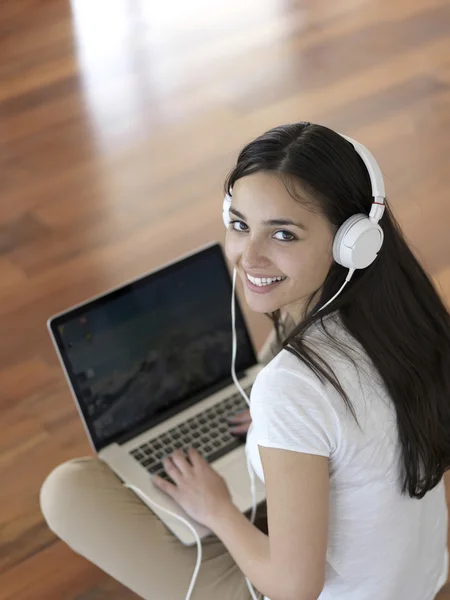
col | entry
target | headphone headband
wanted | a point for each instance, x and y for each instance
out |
(376, 180)
(376, 177)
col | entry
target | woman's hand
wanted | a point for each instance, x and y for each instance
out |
(240, 422)
(197, 487)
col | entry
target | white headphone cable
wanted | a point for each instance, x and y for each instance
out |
(244, 395)
(347, 279)
(145, 499)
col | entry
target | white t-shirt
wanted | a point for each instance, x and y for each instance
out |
(381, 544)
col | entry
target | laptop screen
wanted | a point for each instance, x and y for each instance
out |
(141, 353)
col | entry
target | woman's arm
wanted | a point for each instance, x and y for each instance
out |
(290, 564)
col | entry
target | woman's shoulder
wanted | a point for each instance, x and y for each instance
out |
(286, 364)
(331, 339)
(327, 341)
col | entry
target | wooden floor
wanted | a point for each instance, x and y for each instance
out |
(118, 123)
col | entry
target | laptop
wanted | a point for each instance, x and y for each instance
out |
(149, 367)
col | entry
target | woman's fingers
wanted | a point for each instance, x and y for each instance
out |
(240, 429)
(176, 464)
(240, 422)
(241, 417)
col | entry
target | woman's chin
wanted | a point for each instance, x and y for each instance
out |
(260, 304)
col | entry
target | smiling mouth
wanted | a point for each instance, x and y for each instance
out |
(264, 281)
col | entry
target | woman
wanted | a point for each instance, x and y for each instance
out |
(350, 420)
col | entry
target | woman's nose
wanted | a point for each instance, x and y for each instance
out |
(253, 255)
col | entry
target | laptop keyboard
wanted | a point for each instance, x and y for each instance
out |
(208, 432)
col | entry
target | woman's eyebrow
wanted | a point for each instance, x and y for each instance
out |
(271, 222)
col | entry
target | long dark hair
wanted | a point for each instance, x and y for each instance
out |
(391, 308)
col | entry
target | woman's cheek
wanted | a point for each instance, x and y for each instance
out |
(231, 250)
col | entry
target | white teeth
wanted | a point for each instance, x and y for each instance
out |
(265, 280)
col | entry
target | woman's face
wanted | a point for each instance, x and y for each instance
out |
(298, 250)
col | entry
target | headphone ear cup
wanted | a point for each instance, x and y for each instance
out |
(357, 242)
(226, 210)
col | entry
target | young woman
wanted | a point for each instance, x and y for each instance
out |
(349, 423)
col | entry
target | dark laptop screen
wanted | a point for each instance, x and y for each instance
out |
(142, 353)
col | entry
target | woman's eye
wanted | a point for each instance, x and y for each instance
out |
(240, 222)
(290, 236)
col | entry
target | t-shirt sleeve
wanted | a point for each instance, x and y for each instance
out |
(291, 412)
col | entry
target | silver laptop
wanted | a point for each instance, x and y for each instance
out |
(149, 367)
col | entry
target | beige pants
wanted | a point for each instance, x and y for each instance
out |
(86, 505)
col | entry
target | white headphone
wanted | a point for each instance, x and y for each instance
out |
(359, 239)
